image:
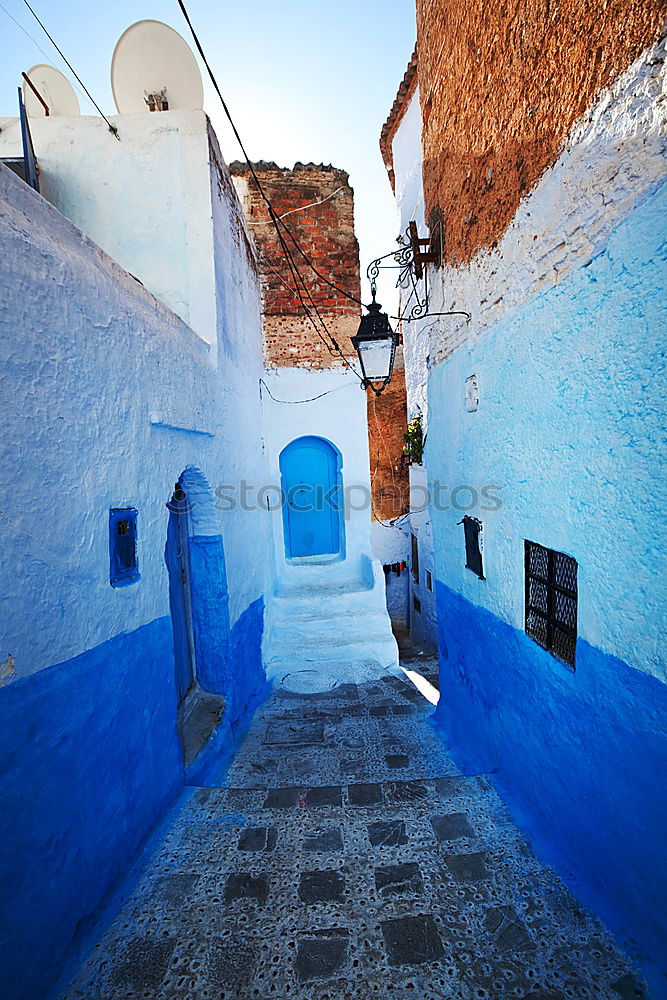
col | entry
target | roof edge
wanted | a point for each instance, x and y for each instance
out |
(398, 109)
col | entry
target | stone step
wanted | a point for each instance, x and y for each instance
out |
(323, 603)
(299, 630)
(357, 661)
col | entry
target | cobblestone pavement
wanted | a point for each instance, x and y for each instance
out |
(345, 857)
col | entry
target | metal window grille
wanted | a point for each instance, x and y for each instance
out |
(472, 528)
(551, 600)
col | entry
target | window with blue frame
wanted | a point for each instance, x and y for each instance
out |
(123, 561)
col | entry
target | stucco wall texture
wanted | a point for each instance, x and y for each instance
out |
(318, 205)
(108, 397)
(501, 86)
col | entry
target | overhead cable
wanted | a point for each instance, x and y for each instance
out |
(112, 128)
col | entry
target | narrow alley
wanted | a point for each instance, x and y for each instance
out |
(345, 855)
(332, 641)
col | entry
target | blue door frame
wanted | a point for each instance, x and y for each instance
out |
(311, 480)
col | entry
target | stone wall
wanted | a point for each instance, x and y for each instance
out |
(501, 87)
(318, 205)
(387, 423)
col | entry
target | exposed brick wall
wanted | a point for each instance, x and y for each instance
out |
(387, 423)
(501, 85)
(325, 231)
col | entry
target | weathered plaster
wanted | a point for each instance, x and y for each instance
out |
(121, 194)
(109, 397)
(569, 423)
(612, 159)
(501, 88)
(81, 395)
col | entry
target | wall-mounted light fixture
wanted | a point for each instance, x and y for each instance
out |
(375, 343)
(408, 260)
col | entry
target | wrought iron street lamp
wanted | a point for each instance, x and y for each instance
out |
(375, 343)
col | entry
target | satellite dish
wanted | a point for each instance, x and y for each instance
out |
(56, 90)
(154, 69)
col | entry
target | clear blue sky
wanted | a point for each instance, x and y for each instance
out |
(304, 80)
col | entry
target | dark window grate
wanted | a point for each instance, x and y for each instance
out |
(472, 528)
(551, 600)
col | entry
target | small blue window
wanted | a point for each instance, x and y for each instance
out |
(123, 563)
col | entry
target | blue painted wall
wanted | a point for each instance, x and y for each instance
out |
(248, 689)
(570, 427)
(89, 758)
(109, 396)
(210, 612)
(581, 758)
(245, 659)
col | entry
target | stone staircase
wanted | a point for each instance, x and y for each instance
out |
(332, 619)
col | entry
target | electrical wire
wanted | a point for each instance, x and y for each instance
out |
(453, 312)
(301, 208)
(311, 399)
(32, 39)
(112, 128)
(319, 274)
(279, 223)
(299, 281)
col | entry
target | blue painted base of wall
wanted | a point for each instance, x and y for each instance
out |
(249, 688)
(580, 758)
(89, 759)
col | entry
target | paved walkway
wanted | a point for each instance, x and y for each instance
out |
(347, 857)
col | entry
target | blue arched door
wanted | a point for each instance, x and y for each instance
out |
(310, 468)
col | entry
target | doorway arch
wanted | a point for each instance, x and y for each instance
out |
(312, 498)
(198, 595)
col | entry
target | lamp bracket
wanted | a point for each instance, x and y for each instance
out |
(409, 260)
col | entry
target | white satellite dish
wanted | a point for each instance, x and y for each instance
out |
(56, 90)
(154, 69)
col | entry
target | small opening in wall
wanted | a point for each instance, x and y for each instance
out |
(415, 558)
(551, 600)
(123, 560)
(417, 604)
(473, 542)
(429, 581)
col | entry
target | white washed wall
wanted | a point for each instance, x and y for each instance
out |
(108, 396)
(407, 156)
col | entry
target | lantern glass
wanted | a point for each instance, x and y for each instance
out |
(376, 358)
